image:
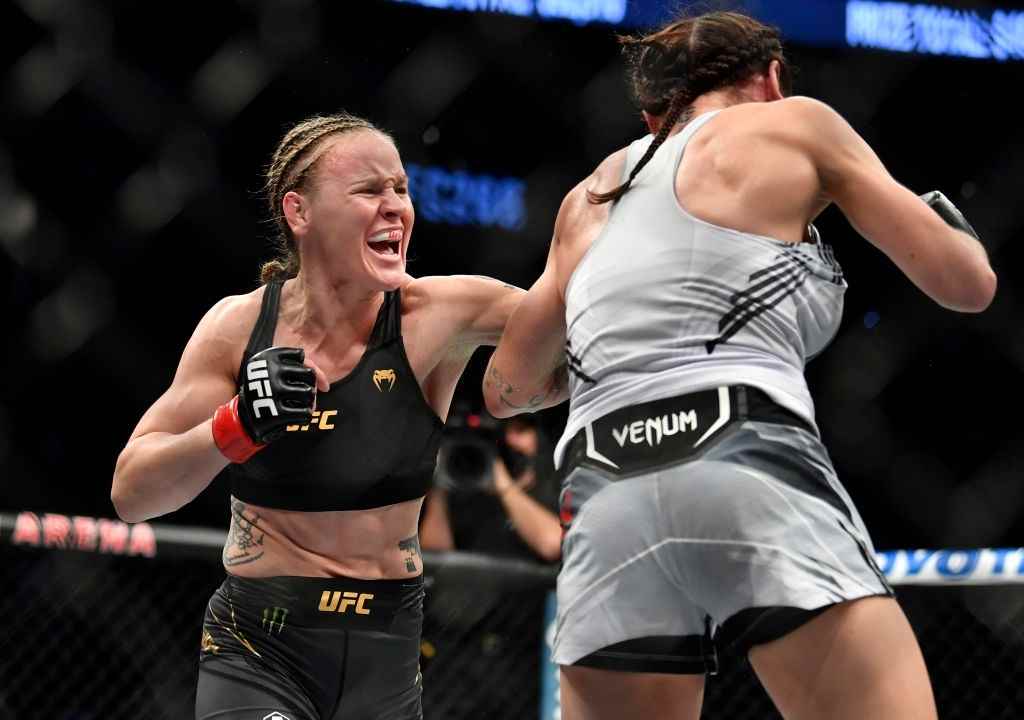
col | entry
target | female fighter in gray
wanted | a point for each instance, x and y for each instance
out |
(684, 291)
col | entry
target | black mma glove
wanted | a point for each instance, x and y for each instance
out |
(948, 212)
(276, 390)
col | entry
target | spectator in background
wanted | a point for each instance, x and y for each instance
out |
(495, 492)
(511, 512)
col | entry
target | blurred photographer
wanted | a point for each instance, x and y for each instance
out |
(495, 491)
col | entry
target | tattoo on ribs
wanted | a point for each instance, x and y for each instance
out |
(245, 538)
(411, 547)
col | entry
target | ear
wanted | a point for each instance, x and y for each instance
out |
(296, 211)
(653, 122)
(773, 86)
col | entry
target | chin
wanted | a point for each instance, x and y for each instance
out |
(389, 279)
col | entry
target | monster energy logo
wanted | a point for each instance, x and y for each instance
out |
(271, 616)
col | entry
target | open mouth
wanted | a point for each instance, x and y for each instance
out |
(385, 247)
(388, 242)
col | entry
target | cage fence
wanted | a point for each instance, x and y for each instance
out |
(106, 624)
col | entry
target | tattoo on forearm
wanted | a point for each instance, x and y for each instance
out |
(245, 538)
(411, 548)
(555, 385)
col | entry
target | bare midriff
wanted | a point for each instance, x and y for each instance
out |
(375, 544)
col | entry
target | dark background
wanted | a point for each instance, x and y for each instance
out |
(133, 135)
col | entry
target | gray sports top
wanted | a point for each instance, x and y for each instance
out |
(664, 304)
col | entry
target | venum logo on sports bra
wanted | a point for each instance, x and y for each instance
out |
(652, 430)
(319, 421)
(384, 379)
(329, 601)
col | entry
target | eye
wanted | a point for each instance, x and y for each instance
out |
(402, 189)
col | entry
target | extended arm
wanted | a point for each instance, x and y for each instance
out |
(527, 371)
(947, 264)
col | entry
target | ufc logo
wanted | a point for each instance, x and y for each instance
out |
(342, 601)
(319, 419)
(256, 373)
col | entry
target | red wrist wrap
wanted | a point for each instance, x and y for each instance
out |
(229, 435)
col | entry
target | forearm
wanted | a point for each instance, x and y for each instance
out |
(535, 524)
(969, 275)
(436, 530)
(527, 371)
(159, 472)
(505, 398)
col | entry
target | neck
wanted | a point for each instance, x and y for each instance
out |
(709, 102)
(325, 309)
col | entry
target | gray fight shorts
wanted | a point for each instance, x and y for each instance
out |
(732, 547)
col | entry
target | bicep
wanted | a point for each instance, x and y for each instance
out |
(494, 307)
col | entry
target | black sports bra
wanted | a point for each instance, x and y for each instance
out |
(373, 438)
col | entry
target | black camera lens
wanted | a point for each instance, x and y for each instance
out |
(466, 461)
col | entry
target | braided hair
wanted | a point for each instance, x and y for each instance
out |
(672, 67)
(291, 168)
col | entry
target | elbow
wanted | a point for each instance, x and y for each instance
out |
(986, 289)
(494, 404)
(976, 295)
(551, 550)
(123, 505)
(121, 496)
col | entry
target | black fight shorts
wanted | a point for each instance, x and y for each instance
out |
(298, 648)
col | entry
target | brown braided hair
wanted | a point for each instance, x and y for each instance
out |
(291, 168)
(672, 67)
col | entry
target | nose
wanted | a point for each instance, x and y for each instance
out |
(392, 204)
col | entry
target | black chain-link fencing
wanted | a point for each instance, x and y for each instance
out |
(85, 636)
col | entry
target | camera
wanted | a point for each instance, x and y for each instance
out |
(465, 460)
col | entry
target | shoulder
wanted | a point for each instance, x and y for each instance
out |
(463, 310)
(803, 119)
(607, 175)
(234, 314)
(448, 291)
(223, 332)
(798, 108)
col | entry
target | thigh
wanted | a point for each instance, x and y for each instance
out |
(382, 680)
(856, 660)
(593, 694)
(231, 689)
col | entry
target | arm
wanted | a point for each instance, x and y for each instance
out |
(485, 305)
(528, 371)
(535, 524)
(171, 456)
(948, 265)
(436, 529)
(198, 425)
